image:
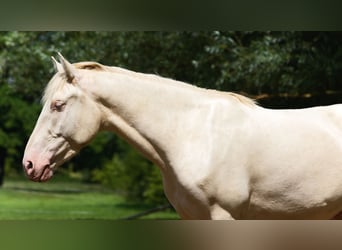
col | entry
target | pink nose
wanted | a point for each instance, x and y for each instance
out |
(37, 171)
(28, 167)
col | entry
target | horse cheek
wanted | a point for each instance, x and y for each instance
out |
(86, 129)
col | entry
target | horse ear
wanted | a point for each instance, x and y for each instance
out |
(57, 65)
(69, 69)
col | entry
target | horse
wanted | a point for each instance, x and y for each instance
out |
(220, 154)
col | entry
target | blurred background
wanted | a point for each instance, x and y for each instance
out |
(108, 179)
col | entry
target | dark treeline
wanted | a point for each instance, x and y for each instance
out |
(279, 69)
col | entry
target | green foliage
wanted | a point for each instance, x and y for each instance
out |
(16, 122)
(250, 62)
(271, 62)
(133, 176)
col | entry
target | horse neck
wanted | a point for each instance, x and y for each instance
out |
(142, 109)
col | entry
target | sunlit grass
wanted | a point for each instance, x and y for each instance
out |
(25, 200)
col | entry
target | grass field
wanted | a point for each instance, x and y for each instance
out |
(22, 199)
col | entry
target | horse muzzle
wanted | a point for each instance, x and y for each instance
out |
(37, 173)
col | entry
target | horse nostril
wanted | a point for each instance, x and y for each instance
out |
(29, 165)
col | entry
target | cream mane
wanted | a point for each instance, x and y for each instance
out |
(58, 81)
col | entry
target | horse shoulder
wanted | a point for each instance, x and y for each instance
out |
(210, 162)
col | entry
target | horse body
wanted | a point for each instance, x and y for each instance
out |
(220, 155)
(297, 164)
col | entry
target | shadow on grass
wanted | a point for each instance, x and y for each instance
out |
(147, 210)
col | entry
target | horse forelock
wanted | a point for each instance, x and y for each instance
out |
(56, 84)
(58, 81)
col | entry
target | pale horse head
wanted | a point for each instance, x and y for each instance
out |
(70, 118)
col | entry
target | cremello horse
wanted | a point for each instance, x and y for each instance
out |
(221, 156)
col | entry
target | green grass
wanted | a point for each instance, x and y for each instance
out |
(60, 199)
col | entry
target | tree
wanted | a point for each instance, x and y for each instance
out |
(16, 121)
